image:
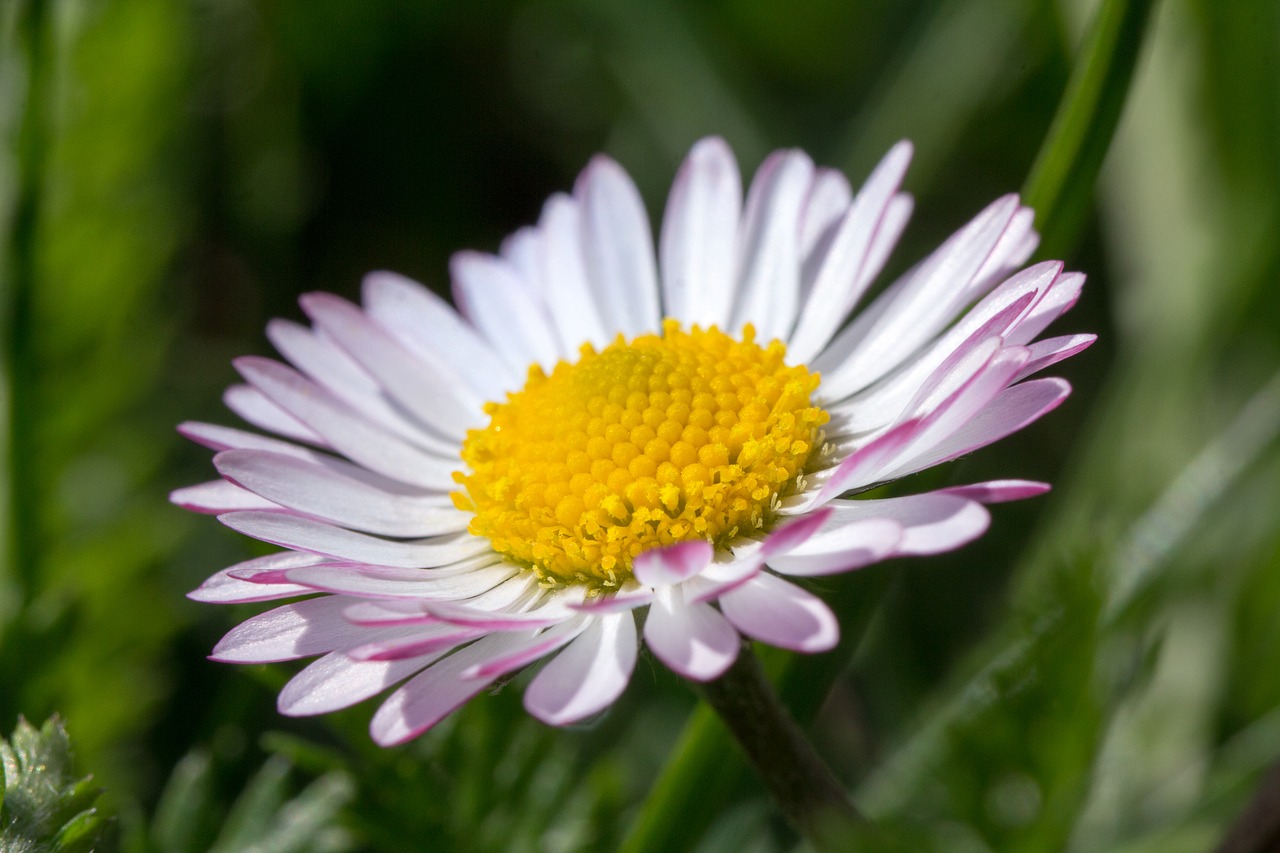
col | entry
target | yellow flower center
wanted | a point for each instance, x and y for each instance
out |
(671, 437)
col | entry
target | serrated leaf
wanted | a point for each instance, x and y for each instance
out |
(43, 809)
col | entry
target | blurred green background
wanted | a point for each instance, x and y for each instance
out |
(1097, 673)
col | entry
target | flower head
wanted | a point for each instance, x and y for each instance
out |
(593, 434)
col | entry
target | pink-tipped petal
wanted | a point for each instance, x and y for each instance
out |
(329, 494)
(694, 640)
(254, 406)
(533, 649)
(217, 497)
(781, 614)
(588, 675)
(347, 431)
(1013, 409)
(304, 534)
(335, 681)
(436, 692)
(298, 630)
(788, 536)
(865, 465)
(999, 491)
(424, 641)
(406, 583)
(932, 523)
(239, 583)
(1050, 351)
(842, 549)
(918, 306)
(673, 564)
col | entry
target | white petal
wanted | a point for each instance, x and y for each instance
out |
(346, 431)
(505, 310)
(673, 564)
(217, 437)
(297, 630)
(252, 405)
(694, 640)
(335, 681)
(226, 588)
(828, 199)
(304, 534)
(769, 268)
(721, 576)
(841, 549)
(782, 614)
(575, 309)
(1013, 409)
(403, 583)
(330, 495)
(535, 648)
(841, 279)
(918, 305)
(588, 675)
(433, 694)
(218, 496)
(931, 523)
(430, 393)
(1050, 351)
(328, 365)
(699, 236)
(428, 326)
(618, 248)
(541, 610)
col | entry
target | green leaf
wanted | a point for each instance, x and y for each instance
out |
(44, 808)
(1060, 185)
(184, 811)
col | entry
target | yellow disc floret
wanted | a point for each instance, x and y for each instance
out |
(671, 437)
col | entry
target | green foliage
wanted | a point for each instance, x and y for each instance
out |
(264, 817)
(43, 807)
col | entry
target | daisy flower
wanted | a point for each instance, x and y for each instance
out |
(600, 431)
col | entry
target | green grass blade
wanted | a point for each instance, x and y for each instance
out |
(1060, 184)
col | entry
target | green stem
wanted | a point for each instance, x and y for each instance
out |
(20, 359)
(1060, 184)
(705, 767)
(806, 792)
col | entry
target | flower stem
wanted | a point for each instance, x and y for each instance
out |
(806, 792)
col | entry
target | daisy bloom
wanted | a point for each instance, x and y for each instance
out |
(600, 431)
